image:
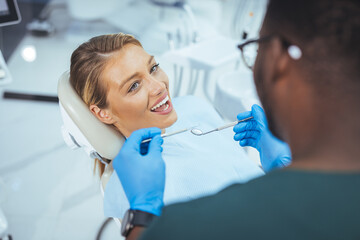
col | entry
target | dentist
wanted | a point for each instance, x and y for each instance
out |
(307, 77)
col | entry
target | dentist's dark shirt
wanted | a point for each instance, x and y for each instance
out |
(284, 204)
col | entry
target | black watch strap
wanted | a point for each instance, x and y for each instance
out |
(142, 218)
(134, 218)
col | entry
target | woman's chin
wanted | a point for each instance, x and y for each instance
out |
(169, 121)
(172, 118)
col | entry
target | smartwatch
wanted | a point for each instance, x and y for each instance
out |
(134, 218)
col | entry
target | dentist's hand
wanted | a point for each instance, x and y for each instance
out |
(255, 133)
(142, 173)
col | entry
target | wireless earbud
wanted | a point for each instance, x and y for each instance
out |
(294, 52)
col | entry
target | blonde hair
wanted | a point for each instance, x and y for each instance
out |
(87, 64)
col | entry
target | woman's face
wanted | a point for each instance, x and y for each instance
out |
(137, 92)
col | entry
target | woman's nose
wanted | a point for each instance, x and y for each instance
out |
(156, 87)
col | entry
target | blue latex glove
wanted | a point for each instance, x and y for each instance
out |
(255, 133)
(142, 171)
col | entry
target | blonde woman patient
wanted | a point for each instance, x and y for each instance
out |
(125, 87)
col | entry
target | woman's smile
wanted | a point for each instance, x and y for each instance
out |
(163, 105)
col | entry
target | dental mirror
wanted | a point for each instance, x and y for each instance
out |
(198, 132)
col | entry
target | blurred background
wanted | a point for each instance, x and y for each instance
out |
(47, 190)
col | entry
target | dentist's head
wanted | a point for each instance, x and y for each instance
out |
(307, 74)
(121, 83)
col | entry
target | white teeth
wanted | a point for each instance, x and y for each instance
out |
(161, 103)
(167, 106)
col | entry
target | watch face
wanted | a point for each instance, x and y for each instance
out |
(126, 222)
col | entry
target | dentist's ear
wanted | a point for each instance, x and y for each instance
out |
(101, 114)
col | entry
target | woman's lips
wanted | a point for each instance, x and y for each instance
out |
(165, 95)
(164, 109)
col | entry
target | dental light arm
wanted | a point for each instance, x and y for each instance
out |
(82, 129)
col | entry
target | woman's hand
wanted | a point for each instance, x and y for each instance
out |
(142, 171)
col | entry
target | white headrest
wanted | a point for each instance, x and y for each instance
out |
(81, 128)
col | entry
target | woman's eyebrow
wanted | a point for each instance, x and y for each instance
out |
(150, 59)
(134, 75)
(128, 79)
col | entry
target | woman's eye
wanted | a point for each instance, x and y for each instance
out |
(134, 86)
(154, 68)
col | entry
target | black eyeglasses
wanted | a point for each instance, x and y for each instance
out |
(249, 49)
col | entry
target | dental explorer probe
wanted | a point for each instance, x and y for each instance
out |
(167, 134)
(198, 132)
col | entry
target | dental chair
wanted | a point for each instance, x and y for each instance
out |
(81, 129)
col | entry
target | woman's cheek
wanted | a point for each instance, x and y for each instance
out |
(142, 100)
(164, 78)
